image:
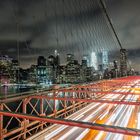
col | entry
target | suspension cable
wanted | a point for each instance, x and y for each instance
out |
(110, 22)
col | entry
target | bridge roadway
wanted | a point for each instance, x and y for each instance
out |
(126, 116)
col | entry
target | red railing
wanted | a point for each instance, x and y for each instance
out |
(28, 112)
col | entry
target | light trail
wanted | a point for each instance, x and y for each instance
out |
(104, 113)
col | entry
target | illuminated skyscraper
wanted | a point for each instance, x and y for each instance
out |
(41, 70)
(5, 69)
(105, 59)
(57, 58)
(94, 60)
(70, 57)
(55, 53)
(86, 57)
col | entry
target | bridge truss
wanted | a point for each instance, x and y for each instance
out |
(24, 115)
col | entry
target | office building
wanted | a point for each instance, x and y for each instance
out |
(41, 61)
(123, 62)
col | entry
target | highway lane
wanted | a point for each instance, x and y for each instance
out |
(123, 116)
(118, 115)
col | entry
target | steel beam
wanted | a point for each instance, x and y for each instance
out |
(99, 92)
(24, 120)
(100, 127)
(126, 102)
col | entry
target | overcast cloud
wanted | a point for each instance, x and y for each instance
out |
(70, 26)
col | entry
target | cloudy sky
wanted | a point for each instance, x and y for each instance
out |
(38, 27)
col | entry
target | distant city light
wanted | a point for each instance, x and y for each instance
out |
(56, 53)
(94, 61)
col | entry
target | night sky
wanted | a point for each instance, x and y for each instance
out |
(70, 26)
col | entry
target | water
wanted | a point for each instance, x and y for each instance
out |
(14, 89)
(9, 90)
(6, 91)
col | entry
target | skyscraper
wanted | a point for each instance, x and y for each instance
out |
(94, 60)
(84, 63)
(51, 61)
(41, 70)
(123, 62)
(70, 57)
(41, 61)
(15, 71)
(73, 72)
(105, 59)
(57, 58)
(86, 57)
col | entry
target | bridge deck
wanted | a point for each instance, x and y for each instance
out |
(124, 116)
(106, 106)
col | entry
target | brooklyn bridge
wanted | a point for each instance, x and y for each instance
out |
(93, 93)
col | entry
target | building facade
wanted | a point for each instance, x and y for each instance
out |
(123, 62)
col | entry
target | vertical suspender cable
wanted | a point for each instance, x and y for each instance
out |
(18, 53)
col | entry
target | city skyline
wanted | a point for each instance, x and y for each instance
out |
(71, 27)
(110, 58)
(90, 59)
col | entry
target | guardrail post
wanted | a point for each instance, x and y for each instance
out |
(65, 105)
(54, 108)
(41, 111)
(24, 120)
